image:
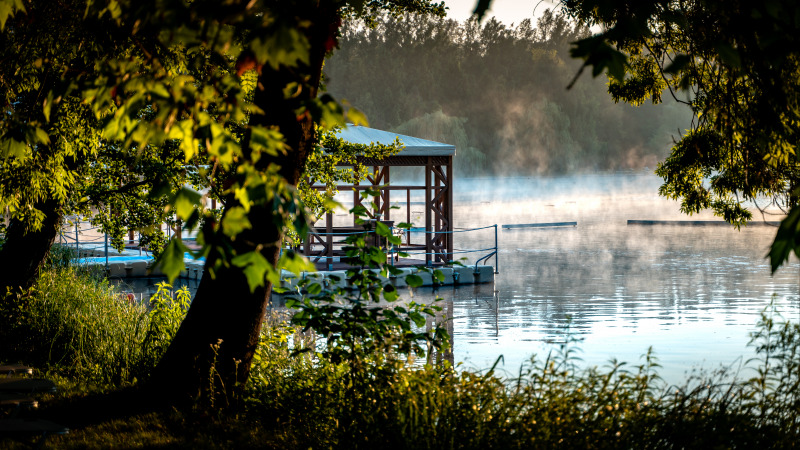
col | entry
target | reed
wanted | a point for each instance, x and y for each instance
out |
(301, 395)
(553, 402)
(75, 324)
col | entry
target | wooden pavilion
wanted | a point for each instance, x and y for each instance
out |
(323, 244)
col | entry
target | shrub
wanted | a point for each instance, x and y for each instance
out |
(552, 403)
(75, 323)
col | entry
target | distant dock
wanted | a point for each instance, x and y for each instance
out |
(698, 223)
(541, 225)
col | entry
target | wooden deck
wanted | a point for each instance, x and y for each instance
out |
(321, 265)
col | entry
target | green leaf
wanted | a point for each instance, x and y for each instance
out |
(184, 130)
(359, 211)
(419, 319)
(314, 288)
(438, 275)
(326, 111)
(357, 117)
(171, 260)
(7, 9)
(185, 202)
(235, 221)
(47, 105)
(390, 293)
(414, 280)
(285, 46)
(382, 229)
(787, 239)
(295, 263)
(255, 267)
(12, 148)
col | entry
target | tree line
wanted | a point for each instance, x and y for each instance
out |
(499, 94)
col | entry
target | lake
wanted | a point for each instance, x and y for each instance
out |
(692, 293)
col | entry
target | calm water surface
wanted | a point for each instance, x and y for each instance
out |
(692, 293)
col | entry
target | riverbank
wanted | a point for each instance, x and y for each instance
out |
(374, 400)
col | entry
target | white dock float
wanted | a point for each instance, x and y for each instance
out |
(540, 225)
(453, 276)
(133, 264)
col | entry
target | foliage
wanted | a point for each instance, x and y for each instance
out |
(60, 256)
(552, 403)
(54, 145)
(297, 399)
(75, 323)
(367, 320)
(335, 162)
(231, 88)
(498, 93)
(738, 64)
(167, 310)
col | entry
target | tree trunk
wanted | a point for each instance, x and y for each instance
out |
(211, 354)
(24, 252)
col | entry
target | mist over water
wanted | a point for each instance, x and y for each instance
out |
(692, 293)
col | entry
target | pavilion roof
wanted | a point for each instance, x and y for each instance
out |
(412, 146)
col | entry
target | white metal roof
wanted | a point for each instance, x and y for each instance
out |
(413, 146)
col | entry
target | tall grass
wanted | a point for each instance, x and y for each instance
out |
(74, 322)
(77, 325)
(552, 403)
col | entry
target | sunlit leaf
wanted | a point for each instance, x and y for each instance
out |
(184, 131)
(357, 117)
(255, 267)
(186, 201)
(235, 221)
(171, 262)
(295, 263)
(12, 148)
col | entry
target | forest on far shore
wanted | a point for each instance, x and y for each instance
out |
(499, 93)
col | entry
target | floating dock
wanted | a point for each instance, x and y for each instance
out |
(541, 225)
(132, 263)
(698, 223)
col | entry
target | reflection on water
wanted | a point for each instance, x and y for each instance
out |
(693, 293)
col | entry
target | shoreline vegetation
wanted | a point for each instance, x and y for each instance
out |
(367, 392)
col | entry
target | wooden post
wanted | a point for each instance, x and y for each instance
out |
(387, 205)
(329, 239)
(408, 215)
(449, 209)
(356, 199)
(428, 211)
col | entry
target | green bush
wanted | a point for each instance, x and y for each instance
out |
(552, 403)
(76, 324)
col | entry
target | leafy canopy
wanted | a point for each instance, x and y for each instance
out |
(156, 95)
(736, 65)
